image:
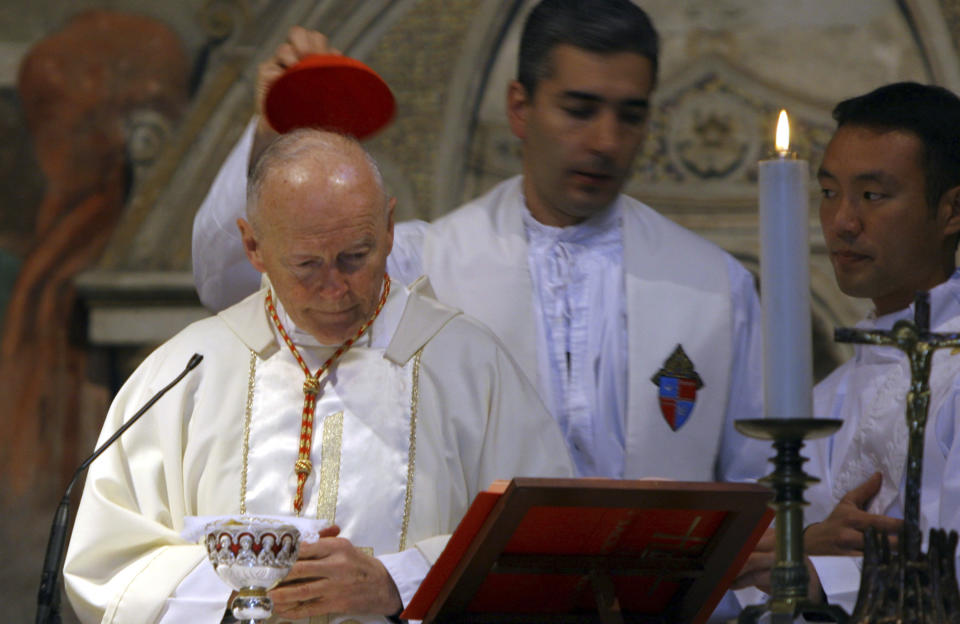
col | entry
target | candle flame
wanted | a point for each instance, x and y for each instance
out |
(783, 133)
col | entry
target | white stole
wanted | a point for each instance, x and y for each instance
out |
(678, 292)
(362, 451)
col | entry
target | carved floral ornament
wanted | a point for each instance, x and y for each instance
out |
(712, 122)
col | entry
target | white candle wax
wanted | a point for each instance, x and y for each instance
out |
(785, 288)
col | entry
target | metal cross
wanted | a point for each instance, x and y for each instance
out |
(917, 341)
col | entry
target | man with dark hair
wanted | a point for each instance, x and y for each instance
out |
(617, 27)
(642, 338)
(931, 113)
(890, 213)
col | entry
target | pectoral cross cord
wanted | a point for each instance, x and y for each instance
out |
(311, 388)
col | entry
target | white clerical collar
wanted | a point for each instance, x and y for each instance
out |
(596, 229)
(302, 338)
(944, 304)
(377, 336)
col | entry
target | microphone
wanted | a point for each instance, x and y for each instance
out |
(48, 598)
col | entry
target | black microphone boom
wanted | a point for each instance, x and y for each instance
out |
(48, 598)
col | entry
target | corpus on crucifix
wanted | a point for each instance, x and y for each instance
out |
(919, 344)
(913, 586)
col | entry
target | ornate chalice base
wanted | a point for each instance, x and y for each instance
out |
(252, 555)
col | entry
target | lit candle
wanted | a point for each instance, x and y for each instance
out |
(785, 282)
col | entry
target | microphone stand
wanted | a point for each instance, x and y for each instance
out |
(48, 598)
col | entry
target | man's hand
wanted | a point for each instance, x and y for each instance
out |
(331, 575)
(300, 43)
(842, 532)
(756, 571)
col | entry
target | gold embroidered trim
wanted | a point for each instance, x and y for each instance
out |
(412, 453)
(330, 467)
(247, 414)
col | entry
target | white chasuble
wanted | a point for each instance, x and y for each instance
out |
(427, 388)
(361, 452)
(677, 290)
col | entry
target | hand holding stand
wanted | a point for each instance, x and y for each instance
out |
(907, 586)
(789, 578)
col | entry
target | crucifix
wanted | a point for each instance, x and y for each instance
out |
(898, 586)
(911, 586)
(919, 344)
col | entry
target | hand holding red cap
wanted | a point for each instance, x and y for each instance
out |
(329, 91)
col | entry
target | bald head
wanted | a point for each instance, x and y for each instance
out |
(309, 151)
(321, 227)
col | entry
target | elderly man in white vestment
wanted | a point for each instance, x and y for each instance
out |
(642, 338)
(418, 410)
(890, 213)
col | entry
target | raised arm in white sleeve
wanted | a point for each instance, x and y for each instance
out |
(221, 272)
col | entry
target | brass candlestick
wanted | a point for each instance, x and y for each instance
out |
(789, 577)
